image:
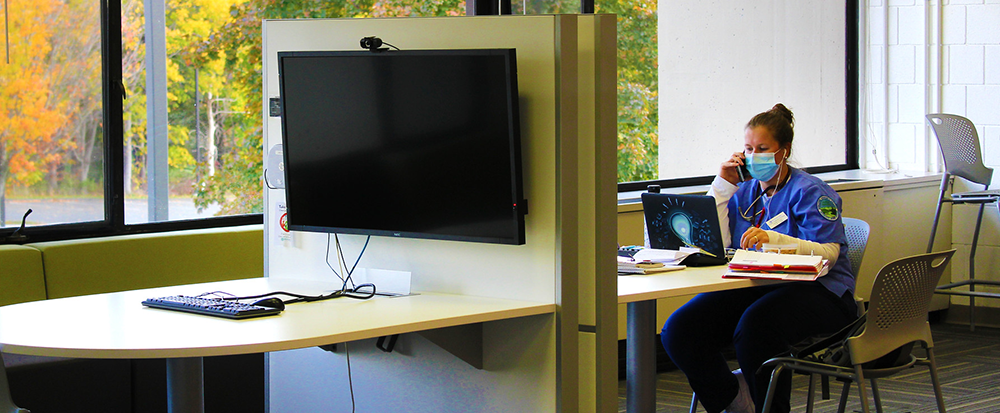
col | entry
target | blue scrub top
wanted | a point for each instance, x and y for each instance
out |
(814, 211)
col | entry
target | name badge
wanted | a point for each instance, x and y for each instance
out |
(777, 220)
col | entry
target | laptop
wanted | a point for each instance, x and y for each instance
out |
(675, 221)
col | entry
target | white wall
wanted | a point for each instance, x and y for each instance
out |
(722, 62)
(927, 57)
(936, 58)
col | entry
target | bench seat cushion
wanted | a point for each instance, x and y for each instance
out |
(101, 265)
(22, 276)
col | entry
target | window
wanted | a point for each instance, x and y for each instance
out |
(51, 132)
(174, 137)
(194, 142)
(638, 87)
(709, 67)
(184, 144)
(526, 7)
(722, 64)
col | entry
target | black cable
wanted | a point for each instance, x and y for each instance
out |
(328, 260)
(340, 253)
(341, 262)
(225, 295)
(355, 293)
(387, 44)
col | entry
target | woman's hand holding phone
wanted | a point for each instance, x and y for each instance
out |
(734, 169)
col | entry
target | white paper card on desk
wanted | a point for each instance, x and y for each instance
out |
(662, 256)
(386, 281)
(628, 267)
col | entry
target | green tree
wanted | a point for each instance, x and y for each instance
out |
(237, 43)
(198, 93)
(237, 184)
(546, 7)
(638, 115)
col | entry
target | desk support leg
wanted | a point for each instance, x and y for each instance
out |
(185, 385)
(640, 364)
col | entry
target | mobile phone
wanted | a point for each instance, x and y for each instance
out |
(744, 172)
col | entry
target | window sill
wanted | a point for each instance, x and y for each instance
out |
(851, 180)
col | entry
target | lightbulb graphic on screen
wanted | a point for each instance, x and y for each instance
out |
(680, 224)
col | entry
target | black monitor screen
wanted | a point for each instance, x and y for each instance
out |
(422, 144)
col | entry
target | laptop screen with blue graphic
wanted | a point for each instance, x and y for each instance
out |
(675, 221)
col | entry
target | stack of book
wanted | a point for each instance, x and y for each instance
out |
(639, 260)
(753, 264)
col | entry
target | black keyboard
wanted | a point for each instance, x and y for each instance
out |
(210, 306)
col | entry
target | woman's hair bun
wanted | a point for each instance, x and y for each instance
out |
(785, 113)
(779, 121)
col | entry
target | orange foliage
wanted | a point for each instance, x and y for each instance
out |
(29, 117)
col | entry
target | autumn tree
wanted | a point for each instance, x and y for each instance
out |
(75, 73)
(28, 117)
(134, 107)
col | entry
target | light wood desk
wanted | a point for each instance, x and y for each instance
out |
(640, 293)
(117, 326)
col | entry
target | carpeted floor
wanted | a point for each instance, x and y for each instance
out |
(968, 366)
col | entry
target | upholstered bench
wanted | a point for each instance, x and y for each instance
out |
(22, 275)
(58, 269)
(129, 262)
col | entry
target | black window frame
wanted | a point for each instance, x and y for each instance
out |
(113, 91)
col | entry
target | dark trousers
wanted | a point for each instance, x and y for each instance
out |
(761, 323)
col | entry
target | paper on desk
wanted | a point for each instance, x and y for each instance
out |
(755, 259)
(386, 281)
(628, 266)
(787, 276)
(663, 256)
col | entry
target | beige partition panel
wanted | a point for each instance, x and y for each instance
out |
(598, 220)
(530, 364)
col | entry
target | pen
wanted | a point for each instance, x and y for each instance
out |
(760, 218)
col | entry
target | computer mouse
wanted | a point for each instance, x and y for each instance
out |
(272, 302)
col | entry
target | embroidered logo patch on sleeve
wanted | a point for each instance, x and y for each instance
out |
(827, 208)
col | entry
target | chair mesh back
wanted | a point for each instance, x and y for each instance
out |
(900, 298)
(959, 143)
(900, 294)
(857, 240)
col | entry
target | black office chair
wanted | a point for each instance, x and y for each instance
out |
(881, 345)
(6, 403)
(959, 143)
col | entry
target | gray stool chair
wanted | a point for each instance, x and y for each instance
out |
(959, 143)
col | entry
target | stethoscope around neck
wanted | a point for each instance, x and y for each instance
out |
(757, 218)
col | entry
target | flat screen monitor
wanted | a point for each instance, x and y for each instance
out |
(417, 144)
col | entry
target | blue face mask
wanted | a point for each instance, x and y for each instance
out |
(762, 166)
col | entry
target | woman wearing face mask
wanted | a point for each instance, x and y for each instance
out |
(781, 205)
